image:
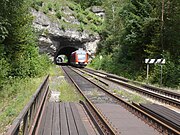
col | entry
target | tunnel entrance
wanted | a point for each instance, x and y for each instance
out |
(64, 54)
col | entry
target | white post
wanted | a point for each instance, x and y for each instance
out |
(161, 76)
(100, 58)
(147, 72)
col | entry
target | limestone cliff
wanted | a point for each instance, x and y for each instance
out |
(65, 26)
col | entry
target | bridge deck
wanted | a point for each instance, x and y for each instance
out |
(61, 119)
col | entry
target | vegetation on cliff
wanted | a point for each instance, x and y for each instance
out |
(69, 15)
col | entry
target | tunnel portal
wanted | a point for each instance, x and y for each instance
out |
(65, 46)
(66, 51)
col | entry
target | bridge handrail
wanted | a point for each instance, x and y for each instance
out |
(27, 120)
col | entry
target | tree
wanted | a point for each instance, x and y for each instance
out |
(88, 3)
(18, 38)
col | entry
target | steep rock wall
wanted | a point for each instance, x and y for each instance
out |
(53, 37)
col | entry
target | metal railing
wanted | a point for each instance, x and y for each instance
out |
(27, 121)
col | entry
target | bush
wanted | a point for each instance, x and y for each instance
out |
(94, 28)
(39, 3)
(59, 15)
(56, 7)
(63, 27)
(36, 7)
(5, 69)
(80, 17)
(81, 27)
(45, 9)
(105, 63)
(71, 6)
(39, 65)
(170, 73)
(49, 6)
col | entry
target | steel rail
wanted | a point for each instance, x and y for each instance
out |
(107, 129)
(170, 101)
(151, 120)
(152, 88)
(167, 121)
(28, 118)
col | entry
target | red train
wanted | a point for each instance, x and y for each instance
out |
(79, 58)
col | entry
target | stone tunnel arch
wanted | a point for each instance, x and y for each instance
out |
(58, 45)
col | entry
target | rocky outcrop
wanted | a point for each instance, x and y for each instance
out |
(98, 11)
(53, 36)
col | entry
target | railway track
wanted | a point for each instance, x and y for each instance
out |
(164, 96)
(164, 114)
(104, 127)
(104, 97)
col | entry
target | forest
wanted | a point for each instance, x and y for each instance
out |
(134, 30)
(19, 56)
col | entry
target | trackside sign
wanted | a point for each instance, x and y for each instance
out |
(155, 61)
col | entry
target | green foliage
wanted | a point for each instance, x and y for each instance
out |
(3, 30)
(45, 9)
(49, 6)
(81, 27)
(39, 2)
(80, 17)
(19, 54)
(14, 95)
(171, 73)
(105, 63)
(133, 31)
(5, 69)
(85, 4)
(72, 6)
(68, 93)
(36, 7)
(36, 4)
(63, 27)
(59, 15)
(56, 6)
(88, 20)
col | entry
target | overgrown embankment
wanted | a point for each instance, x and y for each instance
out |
(21, 66)
(14, 96)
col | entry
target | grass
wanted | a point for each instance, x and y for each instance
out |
(14, 96)
(16, 93)
(67, 92)
(54, 70)
(131, 97)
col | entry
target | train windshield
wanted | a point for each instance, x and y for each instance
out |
(81, 56)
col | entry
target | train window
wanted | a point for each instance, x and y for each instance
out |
(81, 56)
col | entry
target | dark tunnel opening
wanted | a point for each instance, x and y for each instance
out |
(65, 51)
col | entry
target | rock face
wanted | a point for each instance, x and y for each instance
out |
(98, 11)
(53, 38)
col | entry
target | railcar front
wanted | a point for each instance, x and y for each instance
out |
(79, 58)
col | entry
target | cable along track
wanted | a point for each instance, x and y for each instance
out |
(163, 96)
(112, 108)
